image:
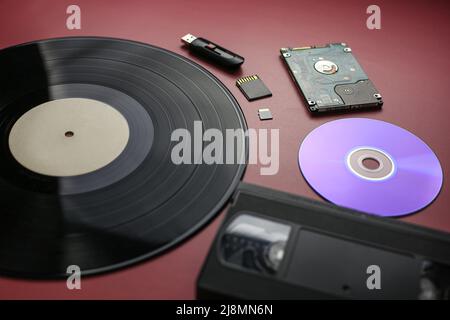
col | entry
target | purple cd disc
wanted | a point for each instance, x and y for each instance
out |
(371, 166)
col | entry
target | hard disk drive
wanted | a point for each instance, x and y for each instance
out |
(330, 78)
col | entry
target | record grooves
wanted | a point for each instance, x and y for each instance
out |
(135, 206)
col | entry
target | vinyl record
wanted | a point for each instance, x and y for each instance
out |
(371, 166)
(86, 173)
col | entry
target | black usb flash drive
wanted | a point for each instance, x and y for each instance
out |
(212, 51)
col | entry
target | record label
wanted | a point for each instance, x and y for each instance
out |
(371, 166)
(68, 137)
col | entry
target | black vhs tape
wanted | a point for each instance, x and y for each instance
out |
(274, 245)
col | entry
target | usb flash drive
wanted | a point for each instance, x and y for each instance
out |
(212, 51)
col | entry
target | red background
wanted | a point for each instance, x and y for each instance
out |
(408, 60)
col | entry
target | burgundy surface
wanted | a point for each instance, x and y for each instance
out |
(408, 60)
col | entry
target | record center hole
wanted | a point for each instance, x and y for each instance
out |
(345, 287)
(370, 163)
(69, 134)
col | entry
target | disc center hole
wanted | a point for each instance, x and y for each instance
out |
(69, 134)
(370, 163)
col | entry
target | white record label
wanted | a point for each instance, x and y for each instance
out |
(68, 137)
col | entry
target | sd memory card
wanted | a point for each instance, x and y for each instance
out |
(253, 88)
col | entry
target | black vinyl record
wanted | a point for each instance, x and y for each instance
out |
(139, 204)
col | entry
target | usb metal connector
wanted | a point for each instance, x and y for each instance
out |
(188, 38)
